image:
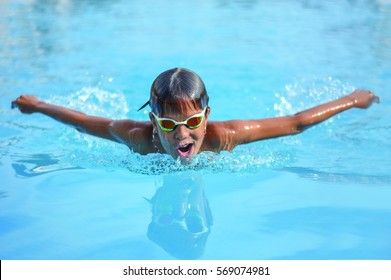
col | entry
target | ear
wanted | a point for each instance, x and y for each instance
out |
(207, 113)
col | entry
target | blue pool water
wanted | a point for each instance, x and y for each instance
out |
(323, 194)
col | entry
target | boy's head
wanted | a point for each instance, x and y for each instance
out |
(179, 112)
(176, 88)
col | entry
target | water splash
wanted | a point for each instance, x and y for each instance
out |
(111, 156)
(307, 93)
(241, 161)
(95, 101)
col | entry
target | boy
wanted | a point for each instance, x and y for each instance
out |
(179, 119)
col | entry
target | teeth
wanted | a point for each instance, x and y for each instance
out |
(184, 148)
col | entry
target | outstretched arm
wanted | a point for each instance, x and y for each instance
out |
(96, 126)
(253, 130)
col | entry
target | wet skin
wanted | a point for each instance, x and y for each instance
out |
(225, 135)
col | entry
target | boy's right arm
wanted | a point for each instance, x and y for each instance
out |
(96, 126)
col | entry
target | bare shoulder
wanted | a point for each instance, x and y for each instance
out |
(226, 135)
(137, 135)
(220, 135)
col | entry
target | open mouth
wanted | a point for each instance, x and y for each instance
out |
(186, 150)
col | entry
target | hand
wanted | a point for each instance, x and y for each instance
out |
(26, 103)
(363, 98)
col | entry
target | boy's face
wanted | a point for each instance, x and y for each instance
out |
(182, 142)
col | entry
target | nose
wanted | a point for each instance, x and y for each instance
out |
(181, 132)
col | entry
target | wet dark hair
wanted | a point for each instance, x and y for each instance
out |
(176, 85)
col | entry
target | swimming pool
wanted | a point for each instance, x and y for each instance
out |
(324, 194)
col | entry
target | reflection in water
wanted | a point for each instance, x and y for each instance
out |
(38, 164)
(181, 217)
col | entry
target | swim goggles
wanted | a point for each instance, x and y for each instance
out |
(192, 122)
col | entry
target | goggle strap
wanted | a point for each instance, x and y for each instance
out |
(145, 105)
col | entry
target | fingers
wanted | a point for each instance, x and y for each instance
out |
(25, 103)
(14, 105)
(19, 103)
(375, 98)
